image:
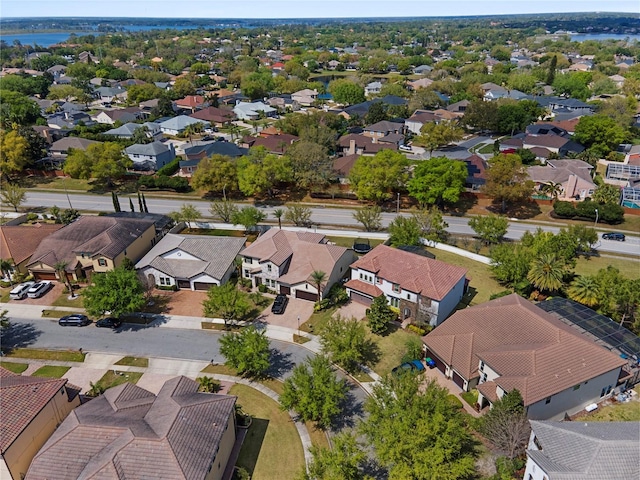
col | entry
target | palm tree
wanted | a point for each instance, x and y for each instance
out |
(318, 278)
(552, 189)
(6, 267)
(584, 290)
(546, 273)
(278, 212)
(61, 270)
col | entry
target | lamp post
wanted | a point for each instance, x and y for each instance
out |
(298, 325)
(596, 222)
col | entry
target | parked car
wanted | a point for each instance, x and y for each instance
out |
(39, 289)
(20, 291)
(614, 236)
(75, 320)
(412, 366)
(109, 322)
(279, 304)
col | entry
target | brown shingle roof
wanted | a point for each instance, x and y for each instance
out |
(530, 349)
(213, 114)
(18, 242)
(415, 273)
(131, 433)
(21, 400)
(273, 143)
(343, 165)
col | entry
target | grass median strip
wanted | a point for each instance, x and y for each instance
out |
(133, 362)
(40, 354)
(14, 367)
(57, 313)
(50, 371)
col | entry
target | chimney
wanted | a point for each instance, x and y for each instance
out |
(352, 147)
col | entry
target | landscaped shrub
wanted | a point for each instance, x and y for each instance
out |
(564, 209)
(587, 210)
(179, 184)
(262, 288)
(32, 217)
(454, 400)
(416, 329)
(612, 214)
(322, 305)
(169, 288)
(170, 168)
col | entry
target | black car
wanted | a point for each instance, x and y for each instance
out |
(109, 322)
(279, 304)
(614, 236)
(76, 320)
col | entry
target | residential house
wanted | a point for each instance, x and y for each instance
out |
(110, 117)
(276, 144)
(459, 107)
(554, 143)
(568, 126)
(421, 117)
(584, 450)
(423, 290)
(305, 97)
(92, 244)
(87, 57)
(356, 144)
(32, 408)
(69, 120)
(111, 94)
(177, 125)
(510, 343)
(372, 88)
(284, 103)
(422, 69)
(128, 129)
(128, 432)
(543, 128)
(491, 91)
(253, 110)
(343, 165)
(215, 116)
(420, 83)
(150, 156)
(192, 103)
(284, 261)
(574, 176)
(18, 242)
(476, 172)
(196, 153)
(386, 132)
(361, 109)
(61, 147)
(194, 262)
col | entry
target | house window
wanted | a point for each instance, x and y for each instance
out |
(102, 262)
(269, 268)
(246, 273)
(396, 288)
(547, 401)
(481, 366)
(394, 302)
(408, 296)
(162, 281)
(378, 280)
(484, 377)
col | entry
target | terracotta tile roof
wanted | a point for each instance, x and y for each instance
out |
(363, 287)
(530, 349)
(131, 433)
(190, 101)
(430, 278)
(18, 242)
(21, 400)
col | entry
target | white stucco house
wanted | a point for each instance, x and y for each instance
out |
(191, 262)
(253, 110)
(177, 125)
(422, 289)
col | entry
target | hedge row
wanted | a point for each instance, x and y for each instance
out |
(179, 184)
(607, 213)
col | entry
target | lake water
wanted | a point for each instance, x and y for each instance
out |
(581, 37)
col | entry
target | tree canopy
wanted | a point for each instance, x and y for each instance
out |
(508, 180)
(374, 178)
(103, 161)
(438, 180)
(247, 351)
(117, 292)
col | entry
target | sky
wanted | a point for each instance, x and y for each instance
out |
(301, 8)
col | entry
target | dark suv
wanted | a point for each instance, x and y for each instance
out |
(279, 304)
(76, 320)
(614, 236)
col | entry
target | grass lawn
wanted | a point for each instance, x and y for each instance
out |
(51, 371)
(488, 148)
(217, 232)
(14, 367)
(272, 447)
(110, 379)
(63, 301)
(629, 267)
(4, 294)
(40, 354)
(482, 282)
(348, 241)
(56, 313)
(317, 321)
(318, 436)
(620, 412)
(271, 383)
(392, 348)
(133, 362)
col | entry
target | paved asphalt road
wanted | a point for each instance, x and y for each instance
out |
(157, 341)
(323, 217)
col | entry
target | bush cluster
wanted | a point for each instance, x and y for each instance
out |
(607, 213)
(179, 184)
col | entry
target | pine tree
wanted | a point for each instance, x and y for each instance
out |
(131, 204)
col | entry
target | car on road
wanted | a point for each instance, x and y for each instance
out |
(75, 320)
(109, 322)
(614, 236)
(39, 289)
(279, 304)
(20, 291)
(411, 366)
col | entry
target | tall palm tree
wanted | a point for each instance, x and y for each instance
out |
(584, 290)
(61, 269)
(278, 213)
(318, 277)
(6, 267)
(552, 189)
(546, 273)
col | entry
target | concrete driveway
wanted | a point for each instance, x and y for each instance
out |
(296, 308)
(352, 310)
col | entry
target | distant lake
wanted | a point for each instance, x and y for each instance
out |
(48, 39)
(581, 37)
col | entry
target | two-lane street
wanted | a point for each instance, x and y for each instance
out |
(322, 217)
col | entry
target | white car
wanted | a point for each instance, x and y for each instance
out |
(39, 289)
(20, 291)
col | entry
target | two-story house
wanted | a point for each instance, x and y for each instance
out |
(150, 156)
(385, 131)
(284, 261)
(423, 290)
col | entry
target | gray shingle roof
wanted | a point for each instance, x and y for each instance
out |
(587, 451)
(213, 255)
(150, 149)
(131, 433)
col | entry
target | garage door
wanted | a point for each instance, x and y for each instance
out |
(306, 295)
(184, 284)
(45, 276)
(285, 290)
(439, 363)
(458, 380)
(202, 286)
(357, 297)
